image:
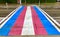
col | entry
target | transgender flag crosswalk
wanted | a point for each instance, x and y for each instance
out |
(28, 20)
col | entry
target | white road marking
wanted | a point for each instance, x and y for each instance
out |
(28, 28)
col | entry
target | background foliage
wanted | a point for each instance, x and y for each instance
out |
(28, 1)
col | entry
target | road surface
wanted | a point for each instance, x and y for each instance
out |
(27, 20)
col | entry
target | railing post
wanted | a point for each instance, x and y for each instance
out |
(20, 2)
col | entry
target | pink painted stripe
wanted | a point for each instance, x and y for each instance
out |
(38, 27)
(18, 25)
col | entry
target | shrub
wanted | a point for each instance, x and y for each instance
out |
(28, 1)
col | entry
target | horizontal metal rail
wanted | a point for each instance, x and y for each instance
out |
(3, 20)
(52, 19)
(54, 22)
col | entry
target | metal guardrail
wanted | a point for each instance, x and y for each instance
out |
(7, 17)
(2, 21)
(54, 22)
(52, 19)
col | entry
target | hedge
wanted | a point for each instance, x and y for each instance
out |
(8, 1)
(50, 1)
(41, 1)
(11, 1)
(1, 1)
(28, 1)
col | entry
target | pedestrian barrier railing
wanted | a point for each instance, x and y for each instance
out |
(7, 17)
(54, 22)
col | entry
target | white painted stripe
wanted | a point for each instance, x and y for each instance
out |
(28, 28)
(44, 13)
(52, 22)
(9, 17)
(57, 17)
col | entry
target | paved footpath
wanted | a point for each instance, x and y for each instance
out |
(28, 20)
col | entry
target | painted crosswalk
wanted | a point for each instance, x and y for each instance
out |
(38, 27)
(18, 25)
(28, 24)
(51, 30)
(27, 20)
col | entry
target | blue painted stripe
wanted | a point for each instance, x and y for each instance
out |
(46, 23)
(9, 24)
